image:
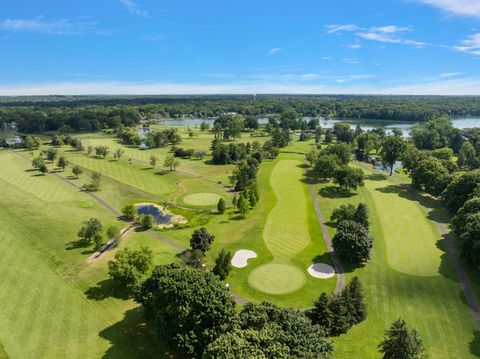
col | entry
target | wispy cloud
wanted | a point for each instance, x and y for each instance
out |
(451, 74)
(274, 51)
(471, 45)
(335, 28)
(54, 27)
(351, 61)
(386, 34)
(354, 46)
(133, 8)
(389, 34)
(458, 7)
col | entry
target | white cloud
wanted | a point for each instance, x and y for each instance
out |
(275, 51)
(389, 34)
(451, 74)
(334, 28)
(351, 61)
(470, 45)
(55, 27)
(354, 46)
(327, 58)
(461, 86)
(458, 7)
(133, 8)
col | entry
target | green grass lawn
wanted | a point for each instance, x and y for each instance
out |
(52, 303)
(408, 276)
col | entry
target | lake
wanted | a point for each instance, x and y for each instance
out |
(466, 122)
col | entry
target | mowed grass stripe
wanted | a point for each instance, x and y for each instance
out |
(286, 230)
(137, 176)
(16, 171)
(39, 304)
(411, 246)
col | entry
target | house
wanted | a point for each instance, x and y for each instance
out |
(14, 141)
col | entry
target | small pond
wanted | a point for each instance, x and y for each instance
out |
(382, 167)
(160, 216)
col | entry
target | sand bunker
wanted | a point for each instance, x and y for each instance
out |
(241, 257)
(321, 270)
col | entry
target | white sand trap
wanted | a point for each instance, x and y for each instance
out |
(241, 257)
(321, 270)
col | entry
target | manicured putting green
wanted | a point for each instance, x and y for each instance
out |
(275, 278)
(202, 199)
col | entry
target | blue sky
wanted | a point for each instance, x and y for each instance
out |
(219, 46)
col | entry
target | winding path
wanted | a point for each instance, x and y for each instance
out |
(326, 236)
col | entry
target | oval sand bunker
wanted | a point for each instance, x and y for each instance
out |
(241, 257)
(321, 270)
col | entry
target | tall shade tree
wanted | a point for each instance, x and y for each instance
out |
(201, 239)
(392, 150)
(130, 265)
(348, 178)
(352, 242)
(90, 229)
(171, 162)
(62, 162)
(222, 264)
(269, 332)
(77, 171)
(153, 161)
(118, 154)
(174, 295)
(401, 343)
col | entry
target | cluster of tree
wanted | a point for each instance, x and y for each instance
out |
(158, 139)
(54, 117)
(352, 241)
(247, 200)
(223, 153)
(245, 174)
(40, 114)
(91, 232)
(102, 151)
(173, 295)
(337, 313)
(332, 162)
(182, 153)
(349, 212)
(466, 224)
(39, 163)
(228, 126)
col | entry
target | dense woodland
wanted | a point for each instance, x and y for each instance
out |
(89, 113)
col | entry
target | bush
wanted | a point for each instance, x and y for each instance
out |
(130, 212)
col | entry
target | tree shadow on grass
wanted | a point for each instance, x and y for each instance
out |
(108, 288)
(133, 338)
(162, 172)
(80, 243)
(475, 344)
(323, 258)
(335, 192)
